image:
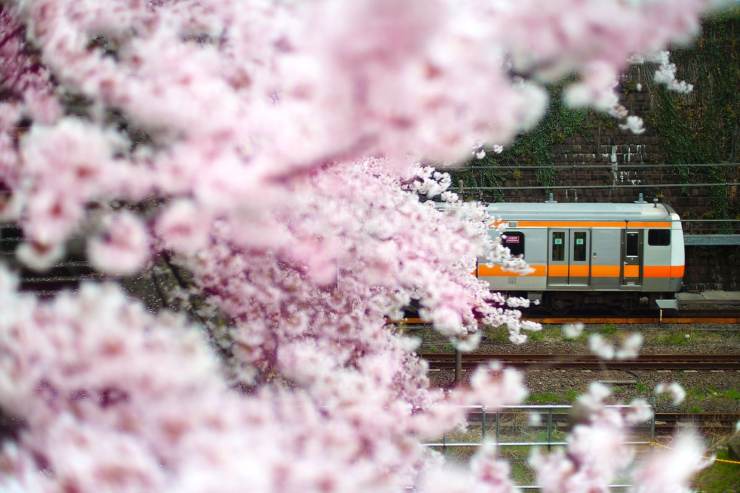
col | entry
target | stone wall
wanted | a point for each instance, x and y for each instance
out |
(712, 267)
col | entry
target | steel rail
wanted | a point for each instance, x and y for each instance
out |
(564, 414)
(664, 421)
(728, 318)
(590, 362)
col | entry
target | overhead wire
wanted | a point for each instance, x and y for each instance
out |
(583, 187)
(599, 166)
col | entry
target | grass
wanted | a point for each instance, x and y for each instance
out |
(608, 329)
(521, 473)
(695, 396)
(566, 397)
(497, 335)
(712, 393)
(672, 339)
(571, 395)
(544, 398)
(733, 394)
(517, 456)
(642, 388)
(549, 333)
(537, 336)
(719, 477)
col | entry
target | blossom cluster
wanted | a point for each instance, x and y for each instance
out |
(112, 398)
(273, 149)
(96, 417)
(666, 72)
(596, 453)
(224, 106)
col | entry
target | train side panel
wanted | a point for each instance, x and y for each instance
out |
(605, 258)
(657, 259)
(590, 247)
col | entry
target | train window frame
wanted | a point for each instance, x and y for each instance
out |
(579, 249)
(659, 237)
(519, 245)
(632, 246)
(556, 247)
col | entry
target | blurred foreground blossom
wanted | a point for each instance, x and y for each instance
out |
(670, 470)
(573, 331)
(677, 392)
(279, 154)
(629, 347)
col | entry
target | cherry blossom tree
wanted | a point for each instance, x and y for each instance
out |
(281, 153)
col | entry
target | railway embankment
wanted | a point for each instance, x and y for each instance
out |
(707, 390)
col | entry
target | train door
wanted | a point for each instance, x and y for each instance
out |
(579, 268)
(557, 257)
(632, 257)
(568, 257)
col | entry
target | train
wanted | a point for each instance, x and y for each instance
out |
(584, 254)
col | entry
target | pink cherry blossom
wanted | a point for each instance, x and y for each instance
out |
(279, 155)
(123, 246)
(183, 227)
(669, 470)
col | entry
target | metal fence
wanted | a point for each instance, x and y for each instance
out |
(515, 434)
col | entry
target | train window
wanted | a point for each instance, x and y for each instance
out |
(579, 246)
(659, 237)
(514, 241)
(632, 249)
(558, 245)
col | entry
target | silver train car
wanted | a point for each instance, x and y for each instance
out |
(588, 248)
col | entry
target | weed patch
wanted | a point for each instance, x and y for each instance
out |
(672, 339)
(719, 477)
(608, 329)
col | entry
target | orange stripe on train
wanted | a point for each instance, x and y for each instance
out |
(585, 224)
(632, 271)
(649, 271)
(557, 271)
(496, 271)
(605, 271)
(664, 270)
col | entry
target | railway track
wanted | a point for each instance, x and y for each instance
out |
(705, 421)
(694, 317)
(665, 423)
(688, 318)
(589, 362)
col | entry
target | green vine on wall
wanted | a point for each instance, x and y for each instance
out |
(533, 148)
(703, 126)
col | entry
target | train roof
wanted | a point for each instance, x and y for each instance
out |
(603, 211)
